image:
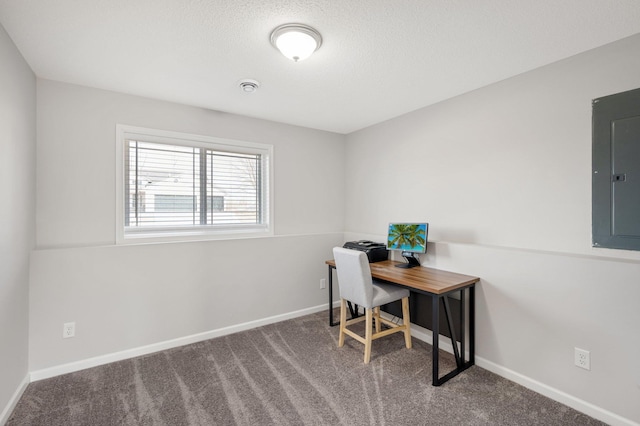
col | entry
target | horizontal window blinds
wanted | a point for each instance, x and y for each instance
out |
(174, 186)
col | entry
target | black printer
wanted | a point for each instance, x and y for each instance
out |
(376, 252)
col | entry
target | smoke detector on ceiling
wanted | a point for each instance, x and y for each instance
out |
(248, 85)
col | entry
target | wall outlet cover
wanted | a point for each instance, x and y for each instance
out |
(582, 358)
(68, 330)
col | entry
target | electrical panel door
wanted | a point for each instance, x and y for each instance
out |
(616, 171)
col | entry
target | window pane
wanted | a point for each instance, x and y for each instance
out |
(166, 179)
(234, 178)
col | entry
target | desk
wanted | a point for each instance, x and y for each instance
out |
(438, 285)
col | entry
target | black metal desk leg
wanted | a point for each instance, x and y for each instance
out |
(435, 329)
(452, 333)
(331, 323)
(472, 325)
(463, 325)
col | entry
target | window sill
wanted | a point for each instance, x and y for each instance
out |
(169, 236)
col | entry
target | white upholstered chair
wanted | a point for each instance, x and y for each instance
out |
(357, 286)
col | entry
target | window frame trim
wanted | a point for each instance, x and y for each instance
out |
(191, 233)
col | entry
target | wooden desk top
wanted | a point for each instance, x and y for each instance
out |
(430, 280)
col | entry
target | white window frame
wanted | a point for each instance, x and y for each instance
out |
(137, 236)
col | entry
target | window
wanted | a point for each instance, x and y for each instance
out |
(173, 186)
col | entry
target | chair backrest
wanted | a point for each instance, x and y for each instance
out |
(354, 276)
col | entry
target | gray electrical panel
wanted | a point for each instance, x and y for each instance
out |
(616, 171)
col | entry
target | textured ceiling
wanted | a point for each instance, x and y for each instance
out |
(379, 58)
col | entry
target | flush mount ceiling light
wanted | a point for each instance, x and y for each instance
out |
(296, 41)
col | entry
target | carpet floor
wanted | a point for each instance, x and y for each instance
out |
(289, 373)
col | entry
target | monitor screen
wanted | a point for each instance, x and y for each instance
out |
(411, 237)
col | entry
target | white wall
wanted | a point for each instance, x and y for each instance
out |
(17, 215)
(503, 176)
(125, 297)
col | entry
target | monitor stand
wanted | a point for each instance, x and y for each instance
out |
(412, 260)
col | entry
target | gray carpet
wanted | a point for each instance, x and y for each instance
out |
(290, 373)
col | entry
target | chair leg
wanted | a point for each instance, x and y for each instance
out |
(368, 334)
(406, 321)
(343, 320)
(376, 318)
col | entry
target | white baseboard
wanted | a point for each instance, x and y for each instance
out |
(6, 413)
(557, 395)
(168, 344)
(585, 407)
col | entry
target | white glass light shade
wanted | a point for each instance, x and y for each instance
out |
(296, 41)
(296, 46)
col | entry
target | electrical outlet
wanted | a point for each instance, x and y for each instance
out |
(323, 283)
(582, 358)
(68, 330)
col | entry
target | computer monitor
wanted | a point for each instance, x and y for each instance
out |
(410, 239)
